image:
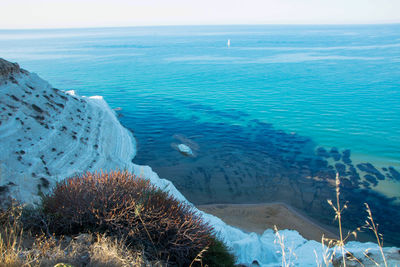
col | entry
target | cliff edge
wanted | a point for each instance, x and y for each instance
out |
(47, 135)
(7, 68)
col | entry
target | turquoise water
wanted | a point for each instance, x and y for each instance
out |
(255, 113)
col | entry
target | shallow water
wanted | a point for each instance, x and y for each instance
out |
(262, 116)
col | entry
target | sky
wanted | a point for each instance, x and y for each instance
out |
(112, 13)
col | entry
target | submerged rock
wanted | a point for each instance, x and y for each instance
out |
(341, 168)
(395, 174)
(184, 149)
(369, 168)
(371, 179)
(322, 152)
(335, 154)
(366, 184)
(346, 156)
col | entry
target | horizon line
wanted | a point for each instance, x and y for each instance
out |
(199, 25)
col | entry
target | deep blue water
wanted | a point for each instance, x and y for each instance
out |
(262, 115)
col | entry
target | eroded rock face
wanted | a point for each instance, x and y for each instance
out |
(7, 68)
(47, 135)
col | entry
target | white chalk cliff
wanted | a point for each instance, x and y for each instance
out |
(47, 135)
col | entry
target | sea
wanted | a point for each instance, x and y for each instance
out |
(270, 112)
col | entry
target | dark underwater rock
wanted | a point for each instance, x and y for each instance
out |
(366, 184)
(346, 156)
(395, 174)
(353, 175)
(346, 183)
(322, 152)
(341, 168)
(366, 167)
(320, 164)
(335, 154)
(369, 168)
(371, 179)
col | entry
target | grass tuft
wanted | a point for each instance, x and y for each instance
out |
(11, 235)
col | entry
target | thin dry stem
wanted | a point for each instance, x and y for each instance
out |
(280, 239)
(374, 227)
(333, 243)
(199, 256)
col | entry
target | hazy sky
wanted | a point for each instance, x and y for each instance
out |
(99, 13)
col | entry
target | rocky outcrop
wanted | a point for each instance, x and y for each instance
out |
(47, 135)
(7, 69)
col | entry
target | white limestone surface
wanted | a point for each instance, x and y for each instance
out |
(47, 135)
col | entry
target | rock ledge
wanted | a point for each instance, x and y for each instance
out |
(7, 68)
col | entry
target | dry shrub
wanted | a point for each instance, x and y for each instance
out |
(130, 208)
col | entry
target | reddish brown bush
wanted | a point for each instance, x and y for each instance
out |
(122, 205)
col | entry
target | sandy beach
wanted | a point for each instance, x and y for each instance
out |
(259, 217)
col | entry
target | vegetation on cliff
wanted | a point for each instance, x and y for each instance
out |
(113, 211)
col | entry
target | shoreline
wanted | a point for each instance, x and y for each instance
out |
(259, 217)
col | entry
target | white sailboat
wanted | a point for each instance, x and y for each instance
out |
(229, 43)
